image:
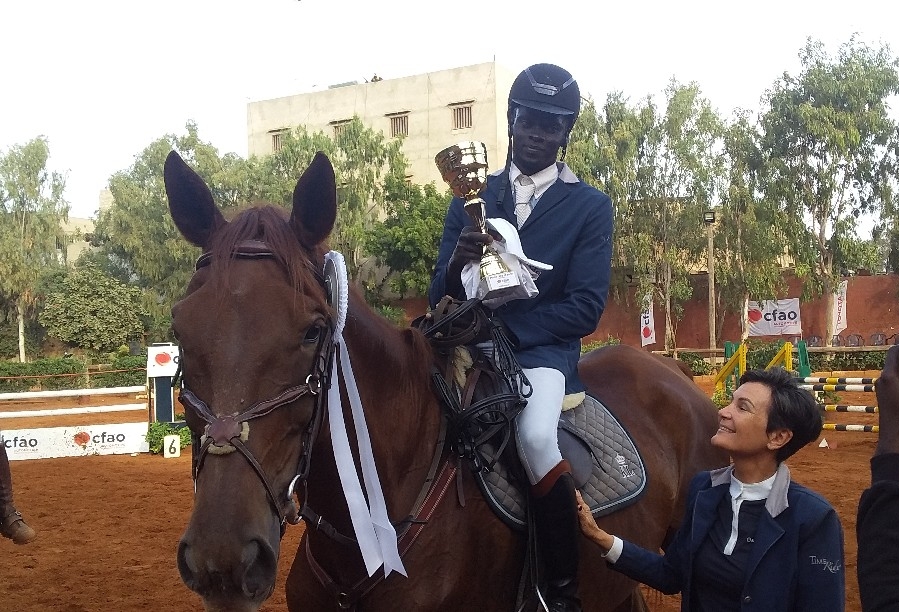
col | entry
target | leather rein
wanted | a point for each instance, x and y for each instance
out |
(225, 434)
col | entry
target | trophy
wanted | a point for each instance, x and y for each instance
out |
(464, 168)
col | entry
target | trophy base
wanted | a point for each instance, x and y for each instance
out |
(498, 285)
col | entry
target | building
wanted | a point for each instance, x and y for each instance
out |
(429, 111)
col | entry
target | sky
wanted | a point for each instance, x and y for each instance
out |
(101, 80)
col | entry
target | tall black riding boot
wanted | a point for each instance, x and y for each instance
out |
(558, 533)
(11, 524)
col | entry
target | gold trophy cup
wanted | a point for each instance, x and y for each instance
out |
(464, 168)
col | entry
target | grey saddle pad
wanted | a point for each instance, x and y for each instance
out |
(606, 466)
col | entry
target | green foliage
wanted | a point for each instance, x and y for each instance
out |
(157, 431)
(91, 310)
(123, 371)
(43, 374)
(32, 210)
(407, 240)
(722, 397)
(697, 363)
(595, 344)
(394, 314)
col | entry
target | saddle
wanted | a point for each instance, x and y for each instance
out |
(480, 399)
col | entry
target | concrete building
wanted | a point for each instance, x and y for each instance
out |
(430, 111)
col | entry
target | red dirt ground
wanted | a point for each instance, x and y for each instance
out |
(108, 526)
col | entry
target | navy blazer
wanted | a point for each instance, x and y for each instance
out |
(571, 229)
(796, 563)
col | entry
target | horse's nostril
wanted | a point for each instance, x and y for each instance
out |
(186, 566)
(261, 567)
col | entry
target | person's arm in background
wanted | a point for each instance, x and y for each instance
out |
(878, 510)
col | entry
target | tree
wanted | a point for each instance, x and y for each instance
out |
(32, 210)
(832, 147)
(92, 310)
(753, 232)
(136, 234)
(407, 240)
(364, 163)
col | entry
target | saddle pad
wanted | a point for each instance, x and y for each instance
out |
(617, 479)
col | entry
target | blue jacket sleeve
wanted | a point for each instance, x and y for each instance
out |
(456, 220)
(667, 572)
(821, 581)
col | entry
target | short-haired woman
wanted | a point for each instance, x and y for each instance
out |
(751, 539)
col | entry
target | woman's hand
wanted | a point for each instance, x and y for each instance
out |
(589, 527)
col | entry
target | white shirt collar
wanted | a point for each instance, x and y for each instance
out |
(751, 492)
(543, 180)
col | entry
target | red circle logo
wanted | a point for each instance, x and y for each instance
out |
(755, 315)
(162, 358)
(646, 331)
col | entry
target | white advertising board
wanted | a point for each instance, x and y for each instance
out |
(162, 360)
(49, 442)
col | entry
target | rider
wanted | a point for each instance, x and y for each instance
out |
(11, 524)
(565, 223)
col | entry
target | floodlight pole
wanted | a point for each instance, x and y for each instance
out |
(709, 220)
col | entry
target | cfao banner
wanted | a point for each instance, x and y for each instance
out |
(839, 307)
(775, 318)
(647, 323)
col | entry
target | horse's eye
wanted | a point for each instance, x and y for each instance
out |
(313, 334)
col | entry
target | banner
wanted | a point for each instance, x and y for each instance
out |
(77, 441)
(775, 318)
(647, 323)
(839, 307)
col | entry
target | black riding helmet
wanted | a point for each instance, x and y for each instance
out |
(547, 88)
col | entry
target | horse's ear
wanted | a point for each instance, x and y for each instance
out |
(315, 202)
(193, 210)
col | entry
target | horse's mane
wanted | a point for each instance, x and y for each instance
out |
(269, 224)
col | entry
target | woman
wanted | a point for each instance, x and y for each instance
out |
(751, 538)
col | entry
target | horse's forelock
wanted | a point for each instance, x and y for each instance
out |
(268, 224)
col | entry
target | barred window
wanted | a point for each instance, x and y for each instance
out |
(276, 139)
(462, 117)
(399, 125)
(339, 127)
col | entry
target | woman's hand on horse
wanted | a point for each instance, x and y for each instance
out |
(589, 527)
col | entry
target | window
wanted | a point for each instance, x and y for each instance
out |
(399, 124)
(276, 139)
(339, 127)
(461, 117)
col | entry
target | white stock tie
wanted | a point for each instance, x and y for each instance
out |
(524, 191)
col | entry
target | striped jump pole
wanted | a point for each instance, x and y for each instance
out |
(838, 380)
(865, 428)
(849, 408)
(858, 388)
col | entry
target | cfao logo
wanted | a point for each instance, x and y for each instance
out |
(755, 315)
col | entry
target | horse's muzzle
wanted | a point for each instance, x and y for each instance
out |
(238, 584)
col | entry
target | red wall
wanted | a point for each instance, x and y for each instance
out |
(872, 305)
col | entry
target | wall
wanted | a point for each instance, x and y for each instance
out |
(872, 305)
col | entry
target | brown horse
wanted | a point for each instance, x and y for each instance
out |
(256, 331)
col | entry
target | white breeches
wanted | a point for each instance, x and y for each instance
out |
(537, 425)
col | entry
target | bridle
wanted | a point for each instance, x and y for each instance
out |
(225, 434)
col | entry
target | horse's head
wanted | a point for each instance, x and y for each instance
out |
(255, 333)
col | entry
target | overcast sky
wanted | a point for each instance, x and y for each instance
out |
(103, 79)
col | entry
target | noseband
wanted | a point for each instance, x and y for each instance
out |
(225, 434)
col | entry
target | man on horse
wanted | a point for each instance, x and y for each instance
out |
(566, 223)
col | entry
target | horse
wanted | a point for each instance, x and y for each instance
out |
(256, 329)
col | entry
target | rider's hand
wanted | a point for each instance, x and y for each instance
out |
(887, 389)
(469, 247)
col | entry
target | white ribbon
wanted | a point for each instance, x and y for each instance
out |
(374, 531)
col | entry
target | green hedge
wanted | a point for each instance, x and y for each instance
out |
(759, 354)
(71, 373)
